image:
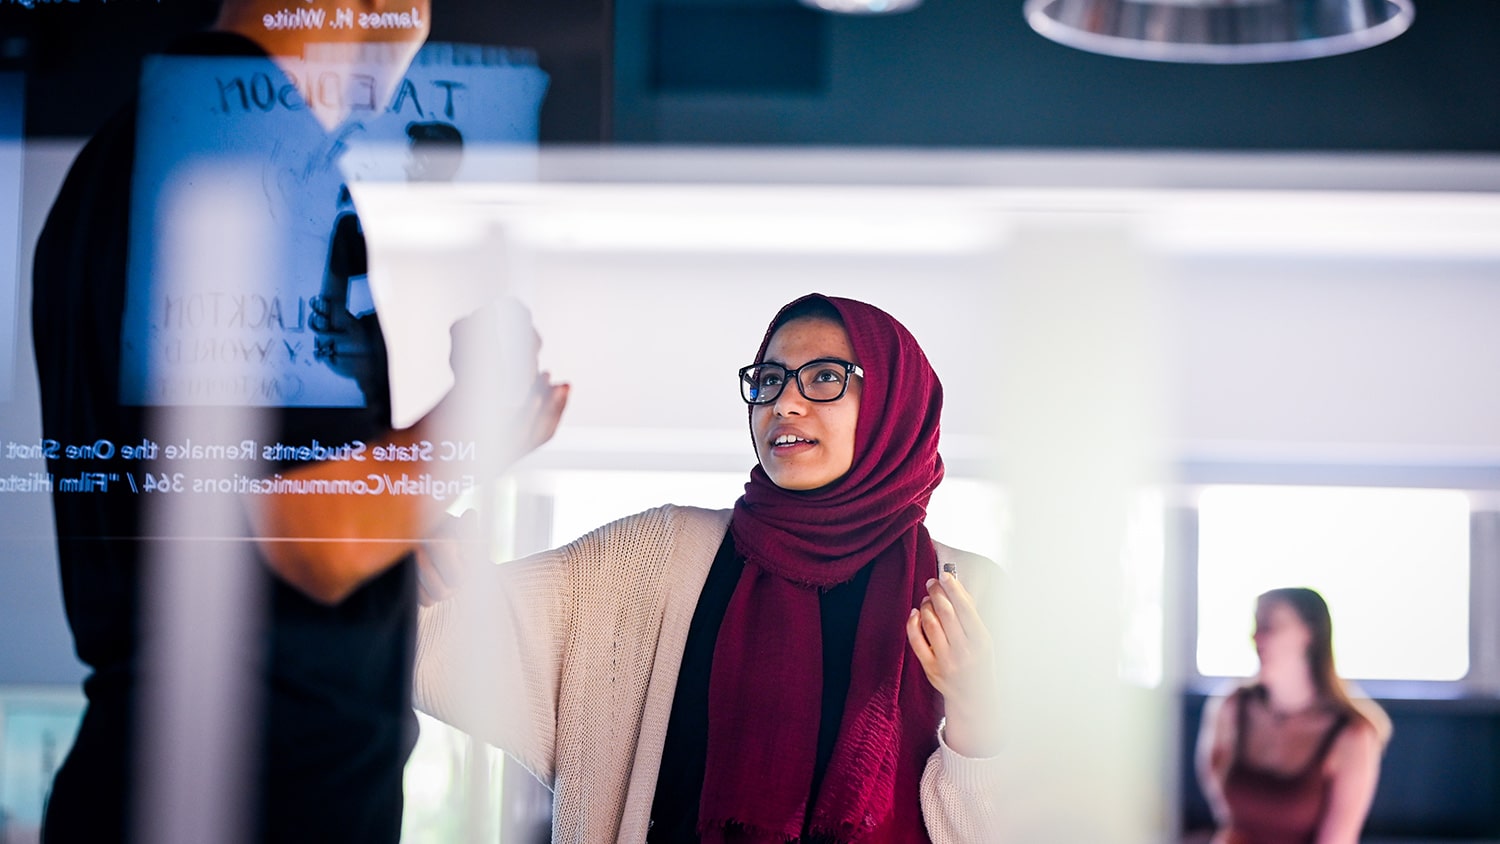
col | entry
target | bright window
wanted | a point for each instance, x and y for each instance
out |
(449, 772)
(584, 500)
(1393, 565)
(963, 513)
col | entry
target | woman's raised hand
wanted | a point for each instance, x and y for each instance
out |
(458, 543)
(540, 413)
(954, 646)
(444, 557)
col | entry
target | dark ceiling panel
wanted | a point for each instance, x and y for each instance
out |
(746, 49)
(971, 73)
(82, 58)
(950, 73)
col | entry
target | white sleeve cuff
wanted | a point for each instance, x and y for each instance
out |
(967, 774)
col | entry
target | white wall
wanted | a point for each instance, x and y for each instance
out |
(1339, 357)
(1347, 322)
(1265, 356)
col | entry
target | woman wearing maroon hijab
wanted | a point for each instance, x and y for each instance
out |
(806, 667)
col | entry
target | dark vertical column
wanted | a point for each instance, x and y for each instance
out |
(573, 40)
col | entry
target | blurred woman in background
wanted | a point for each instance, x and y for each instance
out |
(1290, 757)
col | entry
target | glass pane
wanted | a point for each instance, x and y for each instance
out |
(963, 513)
(584, 500)
(1393, 565)
(452, 786)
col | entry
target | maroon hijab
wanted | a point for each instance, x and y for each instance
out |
(766, 684)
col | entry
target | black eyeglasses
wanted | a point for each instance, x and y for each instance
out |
(820, 380)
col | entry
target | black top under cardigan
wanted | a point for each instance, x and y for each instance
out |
(679, 785)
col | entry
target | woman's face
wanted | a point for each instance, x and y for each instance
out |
(1281, 637)
(802, 444)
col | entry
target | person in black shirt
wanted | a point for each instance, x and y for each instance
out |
(334, 670)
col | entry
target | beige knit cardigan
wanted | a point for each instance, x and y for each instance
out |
(574, 667)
